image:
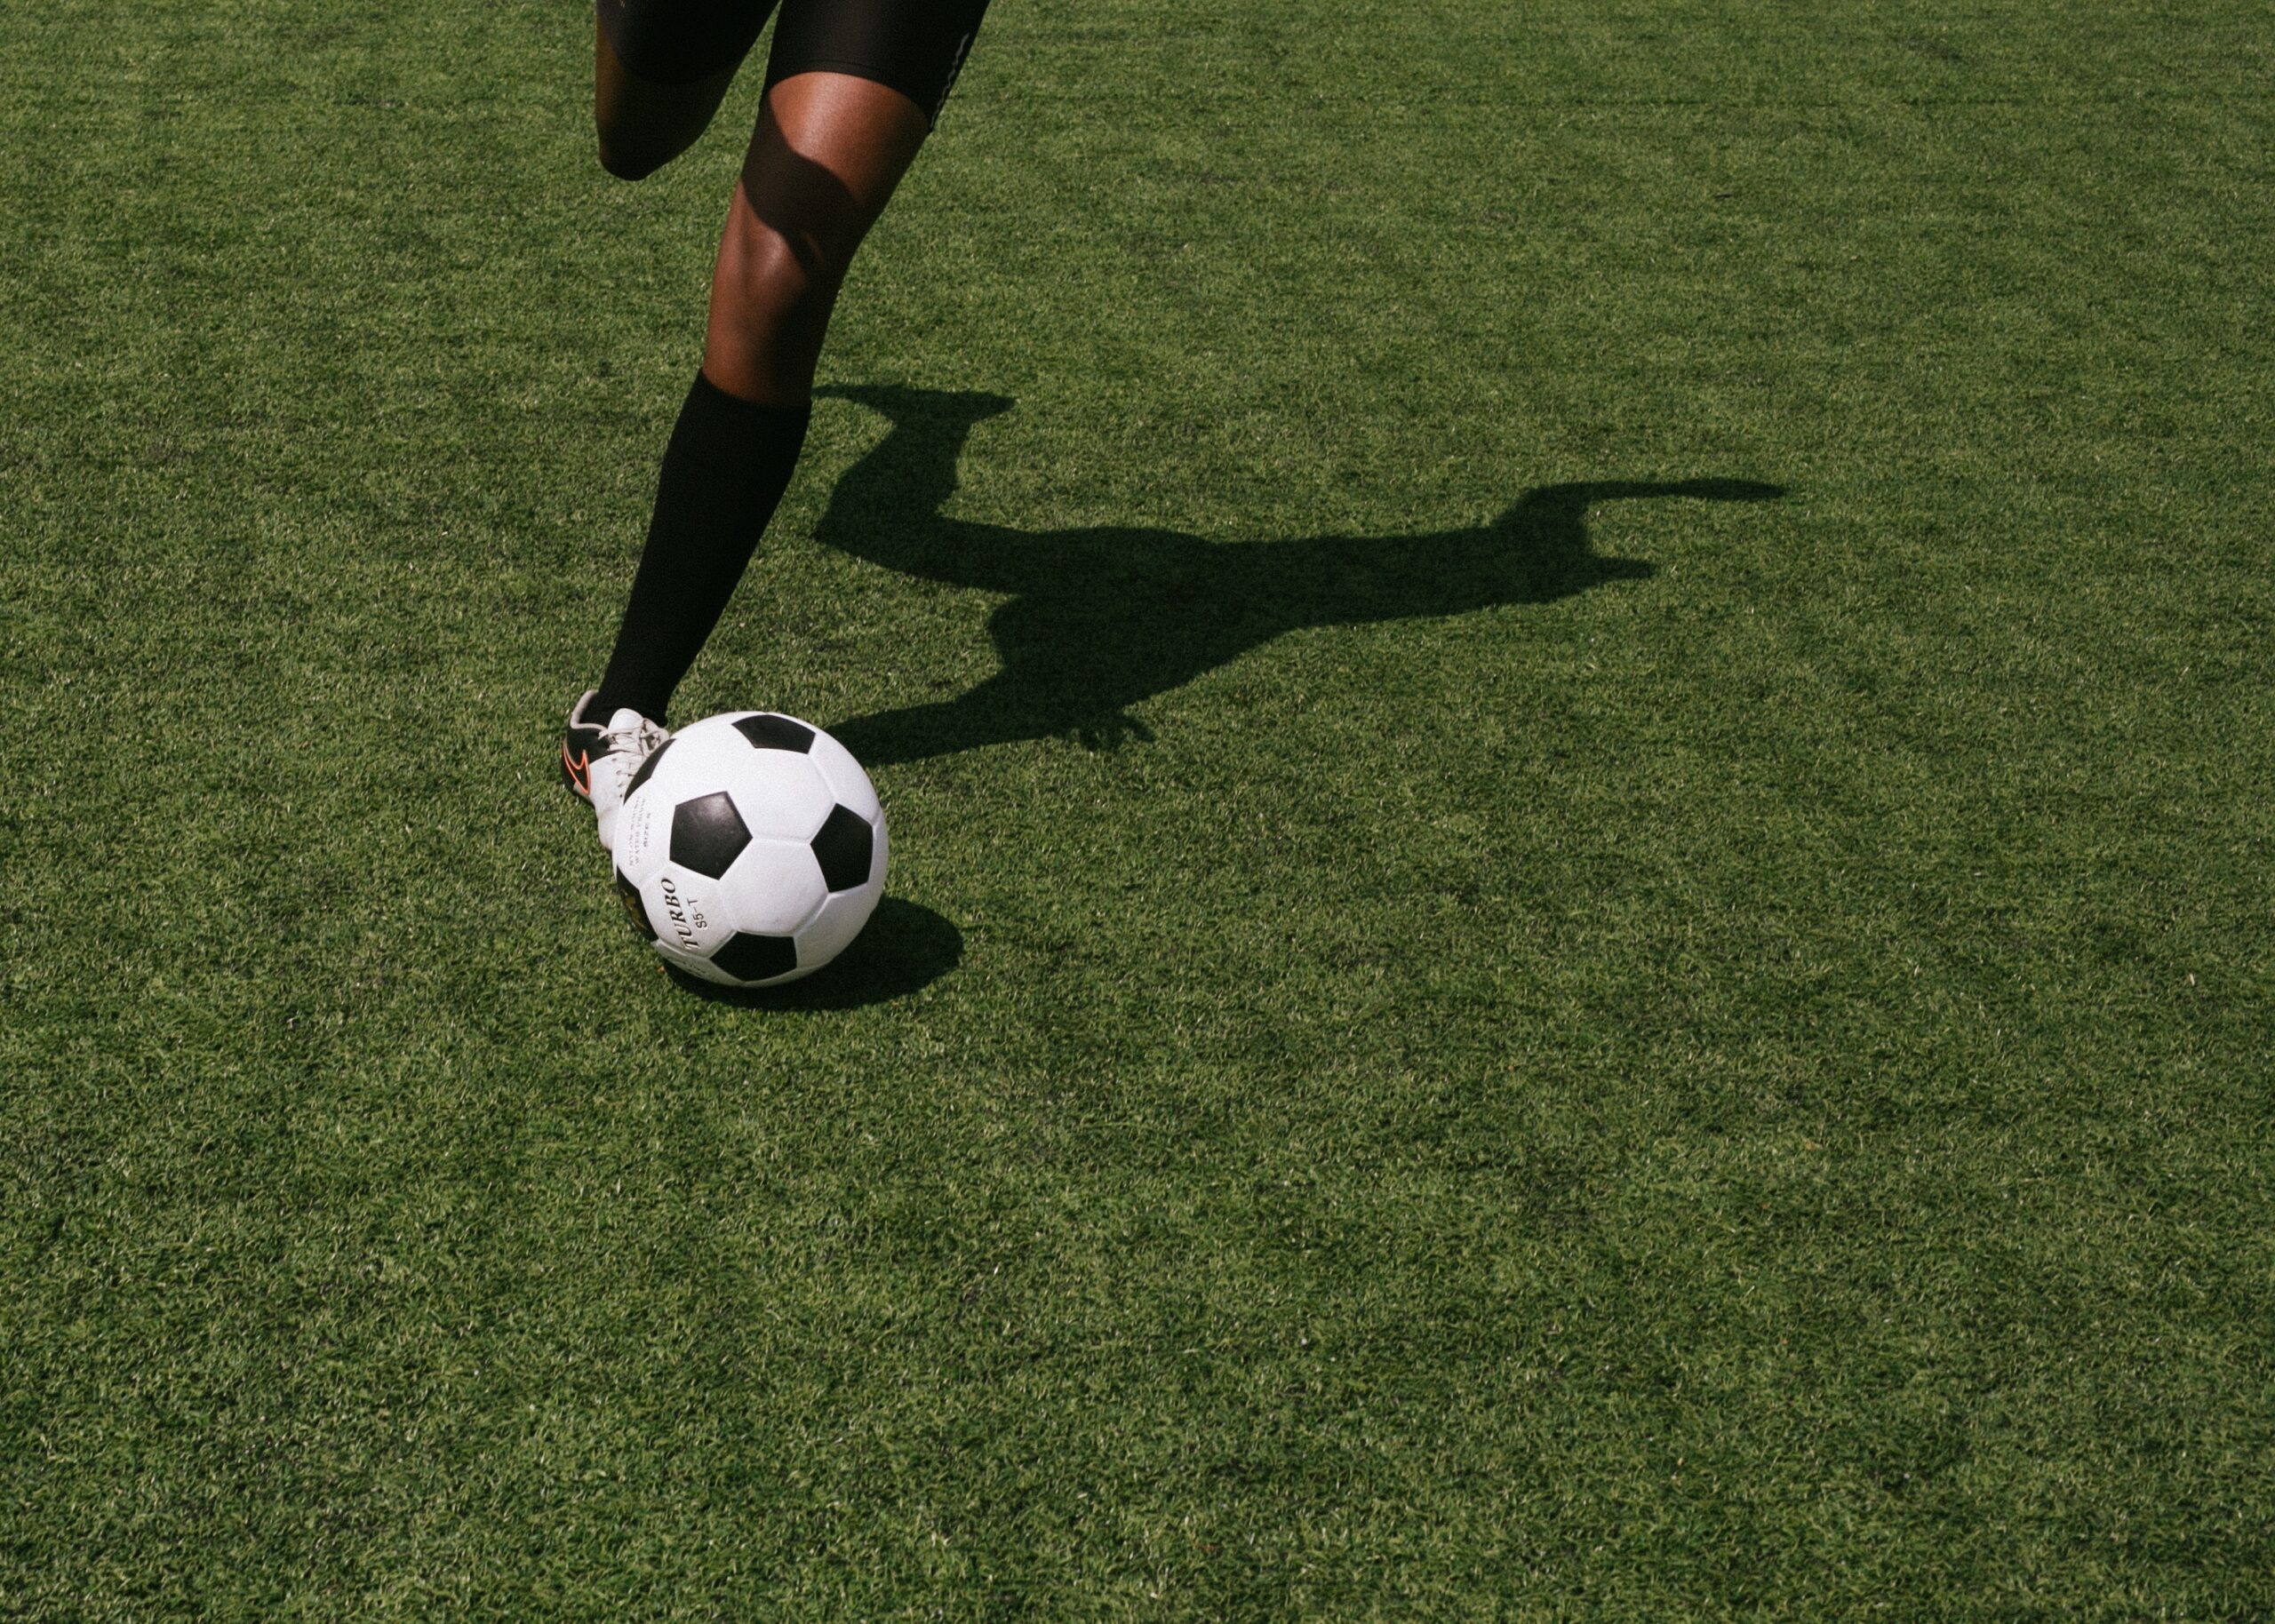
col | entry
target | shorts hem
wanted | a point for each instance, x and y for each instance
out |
(854, 70)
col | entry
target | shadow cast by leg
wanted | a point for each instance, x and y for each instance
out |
(1100, 619)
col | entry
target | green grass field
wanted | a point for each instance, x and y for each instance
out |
(1574, 702)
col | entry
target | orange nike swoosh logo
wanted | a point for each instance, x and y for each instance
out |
(579, 768)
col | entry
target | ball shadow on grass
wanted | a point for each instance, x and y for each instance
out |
(904, 948)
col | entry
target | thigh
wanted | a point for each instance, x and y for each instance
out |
(829, 151)
(916, 47)
(670, 42)
(660, 71)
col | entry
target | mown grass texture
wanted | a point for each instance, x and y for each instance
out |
(1446, 1042)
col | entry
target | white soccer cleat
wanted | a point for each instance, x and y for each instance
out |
(598, 760)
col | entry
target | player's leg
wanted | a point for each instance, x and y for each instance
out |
(660, 68)
(825, 155)
(828, 150)
(828, 153)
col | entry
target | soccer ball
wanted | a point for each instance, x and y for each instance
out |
(751, 848)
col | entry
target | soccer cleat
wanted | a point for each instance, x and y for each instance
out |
(598, 760)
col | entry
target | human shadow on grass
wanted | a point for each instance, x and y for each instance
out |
(1103, 618)
(904, 948)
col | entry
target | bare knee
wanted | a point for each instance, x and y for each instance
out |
(777, 281)
(771, 300)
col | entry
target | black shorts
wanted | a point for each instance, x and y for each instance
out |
(914, 46)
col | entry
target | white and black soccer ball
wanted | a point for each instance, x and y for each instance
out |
(751, 848)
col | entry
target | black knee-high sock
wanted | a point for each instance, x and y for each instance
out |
(727, 465)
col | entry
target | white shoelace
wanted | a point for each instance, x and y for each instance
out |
(637, 741)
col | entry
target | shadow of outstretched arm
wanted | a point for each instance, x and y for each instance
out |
(1559, 507)
(1537, 552)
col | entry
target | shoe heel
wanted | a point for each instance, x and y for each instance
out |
(580, 788)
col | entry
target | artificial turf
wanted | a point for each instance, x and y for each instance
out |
(1574, 701)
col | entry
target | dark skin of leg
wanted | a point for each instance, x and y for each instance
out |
(644, 126)
(828, 153)
(828, 150)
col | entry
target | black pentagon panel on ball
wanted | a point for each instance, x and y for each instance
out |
(770, 732)
(749, 957)
(707, 833)
(647, 768)
(628, 894)
(843, 847)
